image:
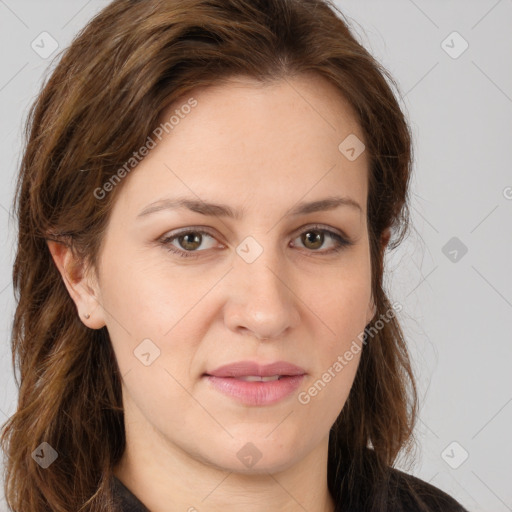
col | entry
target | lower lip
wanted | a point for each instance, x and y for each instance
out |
(256, 393)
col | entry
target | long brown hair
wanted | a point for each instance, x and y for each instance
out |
(101, 102)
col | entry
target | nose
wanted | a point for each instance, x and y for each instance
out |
(261, 302)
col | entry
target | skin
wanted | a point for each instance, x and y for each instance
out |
(261, 149)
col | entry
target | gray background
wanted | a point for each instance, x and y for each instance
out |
(456, 305)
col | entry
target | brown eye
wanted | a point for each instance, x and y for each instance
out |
(190, 241)
(313, 239)
(316, 237)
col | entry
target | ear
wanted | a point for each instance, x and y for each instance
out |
(372, 308)
(82, 286)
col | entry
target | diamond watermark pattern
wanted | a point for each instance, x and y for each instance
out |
(454, 455)
(44, 455)
(44, 45)
(249, 250)
(146, 352)
(454, 249)
(249, 455)
(352, 147)
(454, 45)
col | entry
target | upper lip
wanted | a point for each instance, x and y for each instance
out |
(246, 368)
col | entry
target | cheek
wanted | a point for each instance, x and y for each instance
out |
(145, 295)
(342, 304)
(150, 309)
(336, 354)
(328, 393)
(340, 308)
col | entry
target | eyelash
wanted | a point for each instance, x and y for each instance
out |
(341, 242)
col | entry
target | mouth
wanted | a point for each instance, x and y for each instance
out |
(255, 390)
(250, 369)
(258, 378)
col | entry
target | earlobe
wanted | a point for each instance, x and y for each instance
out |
(82, 288)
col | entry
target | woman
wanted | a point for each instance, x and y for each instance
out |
(204, 203)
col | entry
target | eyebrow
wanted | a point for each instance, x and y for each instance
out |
(223, 210)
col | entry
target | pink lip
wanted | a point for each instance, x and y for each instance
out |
(226, 379)
(244, 368)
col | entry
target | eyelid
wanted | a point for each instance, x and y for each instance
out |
(321, 227)
(340, 238)
(298, 231)
(189, 229)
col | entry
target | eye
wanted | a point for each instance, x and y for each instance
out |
(187, 242)
(314, 238)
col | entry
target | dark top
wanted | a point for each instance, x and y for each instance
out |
(126, 500)
(406, 493)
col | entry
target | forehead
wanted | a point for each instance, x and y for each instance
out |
(275, 142)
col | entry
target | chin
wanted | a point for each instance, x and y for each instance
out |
(255, 455)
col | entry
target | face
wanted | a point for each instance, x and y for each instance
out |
(184, 291)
